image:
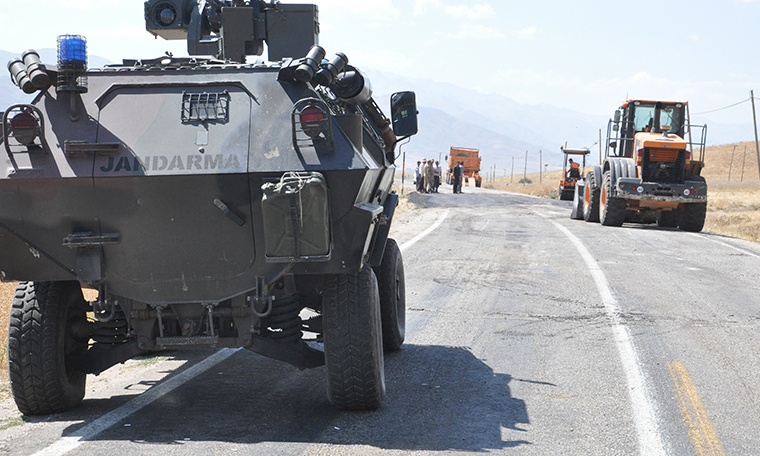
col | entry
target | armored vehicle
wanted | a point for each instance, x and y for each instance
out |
(210, 202)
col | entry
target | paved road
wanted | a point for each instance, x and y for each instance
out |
(528, 334)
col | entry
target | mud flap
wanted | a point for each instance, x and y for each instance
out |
(577, 213)
(389, 208)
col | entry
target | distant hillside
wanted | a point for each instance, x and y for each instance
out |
(438, 131)
(470, 113)
(733, 158)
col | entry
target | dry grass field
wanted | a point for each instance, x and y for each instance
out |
(6, 296)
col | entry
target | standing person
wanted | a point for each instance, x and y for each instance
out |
(426, 176)
(460, 167)
(429, 175)
(457, 171)
(436, 177)
(418, 176)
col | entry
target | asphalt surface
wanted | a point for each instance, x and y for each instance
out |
(514, 346)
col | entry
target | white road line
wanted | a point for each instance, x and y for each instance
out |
(432, 227)
(645, 417)
(746, 252)
(69, 442)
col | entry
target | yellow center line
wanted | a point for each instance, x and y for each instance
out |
(701, 431)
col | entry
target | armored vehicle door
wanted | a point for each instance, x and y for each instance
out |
(176, 190)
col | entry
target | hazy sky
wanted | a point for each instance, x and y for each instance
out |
(585, 55)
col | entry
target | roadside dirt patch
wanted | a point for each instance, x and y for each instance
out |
(6, 297)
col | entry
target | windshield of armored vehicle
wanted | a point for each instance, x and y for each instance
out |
(669, 115)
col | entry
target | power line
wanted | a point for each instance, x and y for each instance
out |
(721, 109)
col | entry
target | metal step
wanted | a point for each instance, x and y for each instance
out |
(180, 342)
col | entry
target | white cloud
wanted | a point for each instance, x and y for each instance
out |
(422, 6)
(476, 31)
(377, 9)
(86, 5)
(528, 32)
(381, 59)
(602, 95)
(470, 12)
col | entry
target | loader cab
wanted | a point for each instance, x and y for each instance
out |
(650, 117)
(637, 116)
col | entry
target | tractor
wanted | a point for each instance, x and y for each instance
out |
(651, 170)
(571, 172)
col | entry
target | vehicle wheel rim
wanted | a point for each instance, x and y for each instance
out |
(586, 196)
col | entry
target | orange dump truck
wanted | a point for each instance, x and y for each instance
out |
(470, 160)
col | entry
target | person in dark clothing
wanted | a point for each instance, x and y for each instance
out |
(458, 177)
(418, 177)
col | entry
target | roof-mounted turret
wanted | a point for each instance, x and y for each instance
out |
(234, 29)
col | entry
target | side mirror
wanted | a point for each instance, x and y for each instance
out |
(616, 120)
(404, 113)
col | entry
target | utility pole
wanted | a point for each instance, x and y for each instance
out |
(754, 121)
(731, 164)
(525, 173)
(403, 173)
(540, 167)
(512, 175)
(600, 146)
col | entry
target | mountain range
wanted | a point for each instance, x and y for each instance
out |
(449, 115)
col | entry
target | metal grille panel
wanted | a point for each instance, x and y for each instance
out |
(664, 166)
(202, 107)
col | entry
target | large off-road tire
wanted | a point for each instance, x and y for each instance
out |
(667, 219)
(41, 342)
(353, 341)
(693, 217)
(566, 194)
(392, 291)
(591, 199)
(611, 209)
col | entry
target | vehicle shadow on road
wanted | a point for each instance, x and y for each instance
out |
(438, 398)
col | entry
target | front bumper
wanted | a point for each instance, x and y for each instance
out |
(635, 189)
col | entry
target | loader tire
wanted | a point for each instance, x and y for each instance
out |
(590, 199)
(42, 341)
(353, 341)
(566, 194)
(611, 209)
(693, 217)
(392, 291)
